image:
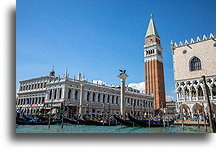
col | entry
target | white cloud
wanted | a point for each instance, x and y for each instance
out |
(170, 98)
(140, 86)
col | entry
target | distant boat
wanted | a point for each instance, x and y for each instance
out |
(152, 123)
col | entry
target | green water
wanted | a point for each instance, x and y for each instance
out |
(68, 128)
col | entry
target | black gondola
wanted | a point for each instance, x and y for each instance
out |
(83, 122)
(71, 121)
(98, 123)
(152, 123)
(124, 122)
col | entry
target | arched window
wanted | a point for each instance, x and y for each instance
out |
(88, 96)
(117, 100)
(93, 97)
(200, 91)
(112, 99)
(60, 92)
(50, 95)
(76, 95)
(195, 64)
(69, 93)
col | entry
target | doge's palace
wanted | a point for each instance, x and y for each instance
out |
(192, 60)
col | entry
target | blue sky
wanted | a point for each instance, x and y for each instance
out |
(99, 37)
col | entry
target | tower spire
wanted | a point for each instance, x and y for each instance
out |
(152, 30)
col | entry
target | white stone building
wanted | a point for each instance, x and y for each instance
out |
(192, 60)
(43, 92)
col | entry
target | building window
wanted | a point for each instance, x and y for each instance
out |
(69, 94)
(43, 99)
(112, 98)
(76, 95)
(88, 96)
(195, 64)
(117, 100)
(60, 92)
(200, 91)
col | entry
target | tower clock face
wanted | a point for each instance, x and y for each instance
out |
(150, 41)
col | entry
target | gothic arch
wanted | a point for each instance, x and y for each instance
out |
(186, 108)
(200, 91)
(193, 91)
(186, 92)
(197, 108)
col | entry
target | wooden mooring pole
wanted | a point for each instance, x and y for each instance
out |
(206, 93)
(204, 117)
(182, 116)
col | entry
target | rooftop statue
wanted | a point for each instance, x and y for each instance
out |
(122, 72)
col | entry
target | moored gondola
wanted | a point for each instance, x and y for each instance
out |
(101, 123)
(69, 120)
(124, 122)
(151, 123)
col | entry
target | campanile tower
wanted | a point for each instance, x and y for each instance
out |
(154, 74)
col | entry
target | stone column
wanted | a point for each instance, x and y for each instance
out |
(91, 97)
(105, 100)
(190, 94)
(122, 100)
(197, 94)
(184, 94)
(57, 93)
(211, 94)
(81, 98)
(72, 94)
(52, 97)
(96, 97)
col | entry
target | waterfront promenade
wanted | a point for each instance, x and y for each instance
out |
(192, 123)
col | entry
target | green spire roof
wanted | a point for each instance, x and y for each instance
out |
(151, 28)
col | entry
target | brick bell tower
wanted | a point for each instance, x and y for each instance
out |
(154, 74)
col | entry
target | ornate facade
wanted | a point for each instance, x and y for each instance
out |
(191, 61)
